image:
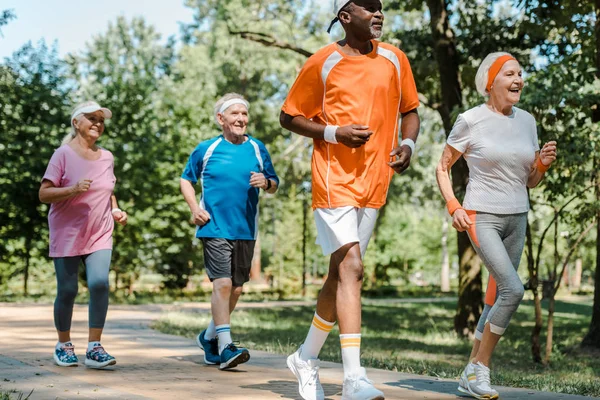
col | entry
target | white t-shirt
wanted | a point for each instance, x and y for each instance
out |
(499, 151)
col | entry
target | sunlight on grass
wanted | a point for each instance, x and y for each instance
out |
(418, 338)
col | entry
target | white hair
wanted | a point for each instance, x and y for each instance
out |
(71, 135)
(481, 79)
(222, 100)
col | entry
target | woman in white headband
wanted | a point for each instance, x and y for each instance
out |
(231, 169)
(78, 184)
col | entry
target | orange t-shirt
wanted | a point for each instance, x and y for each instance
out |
(336, 89)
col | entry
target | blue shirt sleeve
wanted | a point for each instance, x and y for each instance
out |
(193, 168)
(268, 169)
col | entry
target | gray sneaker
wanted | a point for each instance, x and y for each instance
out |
(475, 381)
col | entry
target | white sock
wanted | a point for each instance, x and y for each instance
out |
(317, 334)
(224, 334)
(61, 344)
(211, 331)
(350, 353)
(91, 345)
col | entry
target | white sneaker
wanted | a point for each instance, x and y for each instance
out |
(475, 381)
(307, 373)
(359, 387)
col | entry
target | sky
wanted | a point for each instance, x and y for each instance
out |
(72, 23)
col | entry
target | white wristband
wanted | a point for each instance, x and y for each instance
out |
(410, 143)
(114, 210)
(329, 134)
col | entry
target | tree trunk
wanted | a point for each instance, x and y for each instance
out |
(27, 263)
(550, 329)
(536, 348)
(575, 283)
(445, 279)
(470, 293)
(592, 339)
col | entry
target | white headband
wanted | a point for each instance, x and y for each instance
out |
(232, 102)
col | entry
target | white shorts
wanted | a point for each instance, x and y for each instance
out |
(337, 227)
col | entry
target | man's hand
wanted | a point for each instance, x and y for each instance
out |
(404, 153)
(353, 136)
(258, 180)
(200, 217)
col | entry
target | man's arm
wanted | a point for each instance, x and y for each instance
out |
(409, 127)
(350, 135)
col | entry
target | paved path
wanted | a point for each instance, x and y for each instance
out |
(153, 365)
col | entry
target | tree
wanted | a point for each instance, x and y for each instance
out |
(5, 17)
(33, 118)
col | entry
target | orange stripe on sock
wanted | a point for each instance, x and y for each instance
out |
(319, 325)
(350, 342)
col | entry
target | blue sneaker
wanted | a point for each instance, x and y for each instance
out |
(64, 356)
(232, 356)
(210, 347)
(98, 358)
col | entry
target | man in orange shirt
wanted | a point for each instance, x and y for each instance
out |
(348, 98)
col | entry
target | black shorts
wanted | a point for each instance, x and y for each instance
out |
(224, 258)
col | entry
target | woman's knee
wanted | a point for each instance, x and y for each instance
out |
(513, 294)
(66, 293)
(98, 287)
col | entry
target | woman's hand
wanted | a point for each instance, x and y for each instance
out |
(82, 186)
(548, 153)
(461, 221)
(120, 217)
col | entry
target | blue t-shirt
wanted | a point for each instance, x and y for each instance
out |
(223, 169)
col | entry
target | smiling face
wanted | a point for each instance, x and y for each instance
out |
(363, 18)
(234, 120)
(508, 84)
(90, 125)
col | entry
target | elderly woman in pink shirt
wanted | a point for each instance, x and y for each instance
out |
(78, 184)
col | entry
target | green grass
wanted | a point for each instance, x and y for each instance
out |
(13, 395)
(419, 338)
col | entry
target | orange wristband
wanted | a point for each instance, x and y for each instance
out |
(540, 166)
(453, 205)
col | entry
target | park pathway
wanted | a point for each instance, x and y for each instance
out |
(153, 365)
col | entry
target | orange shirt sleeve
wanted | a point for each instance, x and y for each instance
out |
(306, 95)
(410, 96)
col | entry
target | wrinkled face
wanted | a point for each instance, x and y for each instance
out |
(364, 19)
(234, 120)
(509, 83)
(91, 125)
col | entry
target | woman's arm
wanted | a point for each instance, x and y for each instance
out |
(49, 193)
(543, 159)
(460, 220)
(119, 215)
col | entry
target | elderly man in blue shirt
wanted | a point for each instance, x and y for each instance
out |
(231, 169)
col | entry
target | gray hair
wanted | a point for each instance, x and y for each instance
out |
(222, 100)
(481, 79)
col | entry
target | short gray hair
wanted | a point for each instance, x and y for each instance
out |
(223, 99)
(481, 79)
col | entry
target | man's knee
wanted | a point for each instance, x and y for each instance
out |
(351, 269)
(222, 286)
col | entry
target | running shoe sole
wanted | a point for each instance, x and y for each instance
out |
(202, 347)
(235, 361)
(63, 364)
(477, 396)
(98, 365)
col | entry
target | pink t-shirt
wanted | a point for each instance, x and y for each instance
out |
(81, 224)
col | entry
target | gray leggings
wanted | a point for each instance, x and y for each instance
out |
(499, 240)
(97, 265)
